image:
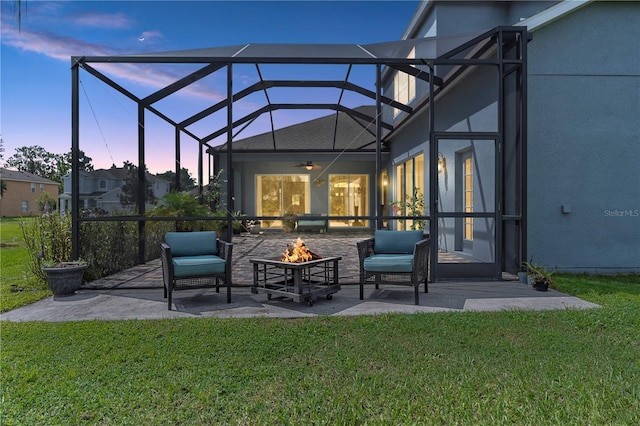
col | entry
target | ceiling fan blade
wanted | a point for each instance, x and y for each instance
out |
(309, 165)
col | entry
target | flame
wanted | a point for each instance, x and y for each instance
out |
(298, 253)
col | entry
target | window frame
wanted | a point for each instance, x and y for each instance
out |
(404, 187)
(404, 86)
(363, 199)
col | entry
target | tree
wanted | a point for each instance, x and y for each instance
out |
(187, 183)
(1, 152)
(37, 160)
(129, 196)
(65, 163)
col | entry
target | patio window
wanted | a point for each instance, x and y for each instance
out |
(348, 197)
(404, 86)
(467, 171)
(409, 177)
(279, 195)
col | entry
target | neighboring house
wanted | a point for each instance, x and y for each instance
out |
(101, 189)
(23, 189)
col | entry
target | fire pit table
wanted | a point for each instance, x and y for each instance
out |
(300, 281)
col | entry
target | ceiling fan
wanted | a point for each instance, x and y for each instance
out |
(309, 165)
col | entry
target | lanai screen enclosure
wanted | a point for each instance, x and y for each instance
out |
(438, 63)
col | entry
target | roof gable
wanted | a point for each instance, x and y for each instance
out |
(315, 135)
(17, 175)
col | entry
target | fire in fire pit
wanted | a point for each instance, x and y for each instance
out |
(298, 253)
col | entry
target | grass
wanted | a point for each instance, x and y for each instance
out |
(17, 286)
(515, 367)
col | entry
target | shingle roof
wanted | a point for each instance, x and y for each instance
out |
(315, 135)
(7, 174)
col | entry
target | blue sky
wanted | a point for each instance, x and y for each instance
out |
(36, 79)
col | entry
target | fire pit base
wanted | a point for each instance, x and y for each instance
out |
(302, 282)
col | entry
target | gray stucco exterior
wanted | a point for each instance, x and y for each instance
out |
(583, 191)
(584, 140)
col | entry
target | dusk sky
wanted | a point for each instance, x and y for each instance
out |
(36, 78)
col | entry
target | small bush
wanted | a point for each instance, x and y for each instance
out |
(182, 204)
(48, 241)
(108, 247)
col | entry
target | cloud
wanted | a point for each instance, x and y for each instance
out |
(51, 45)
(101, 20)
(155, 76)
(63, 48)
(151, 36)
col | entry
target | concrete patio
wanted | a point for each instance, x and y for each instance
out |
(137, 292)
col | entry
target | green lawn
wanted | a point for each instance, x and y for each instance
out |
(17, 288)
(570, 367)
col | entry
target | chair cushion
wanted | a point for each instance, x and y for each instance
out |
(192, 266)
(396, 241)
(389, 263)
(192, 243)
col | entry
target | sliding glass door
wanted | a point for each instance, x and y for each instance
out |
(280, 195)
(348, 196)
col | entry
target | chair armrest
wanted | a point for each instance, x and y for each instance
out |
(165, 252)
(365, 249)
(421, 254)
(225, 251)
(167, 264)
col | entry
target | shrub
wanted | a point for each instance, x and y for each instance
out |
(48, 241)
(108, 247)
(182, 204)
(46, 203)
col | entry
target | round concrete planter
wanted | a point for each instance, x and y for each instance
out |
(65, 278)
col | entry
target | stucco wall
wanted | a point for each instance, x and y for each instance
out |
(584, 140)
(17, 192)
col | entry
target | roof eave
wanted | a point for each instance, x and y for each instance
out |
(551, 14)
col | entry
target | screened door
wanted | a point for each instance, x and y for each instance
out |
(466, 208)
